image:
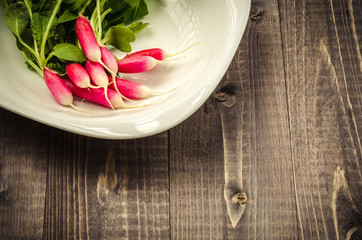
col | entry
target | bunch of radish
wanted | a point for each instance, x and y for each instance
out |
(97, 79)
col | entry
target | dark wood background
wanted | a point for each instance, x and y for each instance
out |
(284, 127)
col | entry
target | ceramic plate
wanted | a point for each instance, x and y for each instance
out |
(217, 25)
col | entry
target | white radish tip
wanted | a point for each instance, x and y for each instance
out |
(81, 109)
(135, 107)
(182, 51)
(157, 93)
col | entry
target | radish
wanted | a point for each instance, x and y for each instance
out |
(87, 39)
(109, 98)
(157, 53)
(110, 62)
(130, 89)
(78, 75)
(58, 88)
(138, 64)
(98, 75)
(88, 42)
(134, 90)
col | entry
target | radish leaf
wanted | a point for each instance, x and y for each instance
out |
(39, 25)
(138, 27)
(17, 18)
(37, 4)
(120, 38)
(4, 4)
(56, 66)
(69, 52)
(27, 38)
(137, 11)
(67, 16)
(76, 4)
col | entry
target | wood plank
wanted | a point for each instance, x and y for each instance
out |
(102, 189)
(197, 209)
(255, 81)
(24, 146)
(267, 165)
(323, 72)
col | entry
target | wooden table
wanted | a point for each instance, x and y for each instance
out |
(282, 134)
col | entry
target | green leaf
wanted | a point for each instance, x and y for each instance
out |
(47, 8)
(29, 66)
(138, 27)
(39, 25)
(6, 3)
(56, 66)
(120, 38)
(115, 18)
(69, 52)
(60, 33)
(77, 4)
(68, 15)
(37, 4)
(17, 18)
(69, 1)
(28, 4)
(115, 5)
(27, 37)
(133, 2)
(137, 11)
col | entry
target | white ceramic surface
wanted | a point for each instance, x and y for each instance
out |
(174, 24)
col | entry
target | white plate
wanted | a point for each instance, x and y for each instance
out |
(174, 24)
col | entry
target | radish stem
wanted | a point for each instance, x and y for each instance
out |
(36, 55)
(46, 33)
(33, 64)
(29, 9)
(105, 13)
(113, 74)
(84, 7)
(99, 34)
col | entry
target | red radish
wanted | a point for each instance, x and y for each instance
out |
(109, 98)
(78, 75)
(97, 75)
(137, 64)
(110, 62)
(130, 89)
(157, 53)
(87, 39)
(134, 90)
(58, 88)
(109, 59)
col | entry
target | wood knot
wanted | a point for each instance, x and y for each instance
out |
(226, 94)
(222, 96)
(239, 197)
(255, 13)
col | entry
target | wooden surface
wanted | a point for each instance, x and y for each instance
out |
(283, 129)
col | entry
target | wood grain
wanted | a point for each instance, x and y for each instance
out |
(284, 126)
(270, 211)
(197, 208)
(324, 80)
(23, 164)
(118, 190)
